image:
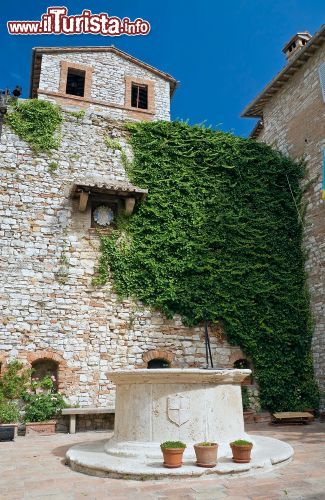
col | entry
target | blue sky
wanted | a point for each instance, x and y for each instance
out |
(222, 52)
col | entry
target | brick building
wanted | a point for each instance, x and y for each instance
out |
(291, 112)
(53, 318)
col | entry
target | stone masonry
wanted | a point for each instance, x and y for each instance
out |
(294, 122)
(107, 76)
(49, 255)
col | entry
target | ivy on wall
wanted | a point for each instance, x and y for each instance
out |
(219, 237)
(36, 122)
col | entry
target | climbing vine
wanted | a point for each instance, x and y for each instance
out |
(36, 122)
(219, 237)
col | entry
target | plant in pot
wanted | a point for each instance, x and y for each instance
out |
(45, 384)
(40, 410)
(9, 418)
(241, 451)
(173, 453)
(206, 454)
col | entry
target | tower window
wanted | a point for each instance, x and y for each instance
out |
(76, 82)
(139, 96)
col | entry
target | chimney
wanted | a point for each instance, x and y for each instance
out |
(297, 42)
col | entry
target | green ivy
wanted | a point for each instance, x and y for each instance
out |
(219, 238)
(36, 122)
(116, 146)
(78, 114)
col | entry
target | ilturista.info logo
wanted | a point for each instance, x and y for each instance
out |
(56, 21)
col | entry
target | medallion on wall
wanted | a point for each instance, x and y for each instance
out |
(178, 409)
(103, 215)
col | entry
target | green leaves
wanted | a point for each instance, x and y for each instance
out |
(36, 122)
(219, 237)
(9, 412)
(43, 407)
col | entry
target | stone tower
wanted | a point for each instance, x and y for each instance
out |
(104, 80)
(51, 209)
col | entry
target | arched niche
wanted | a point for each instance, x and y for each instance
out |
(158, 363)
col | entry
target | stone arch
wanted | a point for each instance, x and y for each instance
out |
(54, 359)
(158, 354)
(236, 354)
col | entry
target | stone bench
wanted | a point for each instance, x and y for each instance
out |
(73, 412)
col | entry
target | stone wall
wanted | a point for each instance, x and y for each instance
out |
(294, 122)
(107, 75)
(48, 257)
(86, 423)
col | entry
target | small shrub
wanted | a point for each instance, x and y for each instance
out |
(53, 166)
(46, 383)
(15, 380)
(43, 407)
(78, 114)
(9, 413)
(173, 444)
(241, 442)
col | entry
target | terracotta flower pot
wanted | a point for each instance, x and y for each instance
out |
(173, 457)
(241, 454)
(206, 456)
(44, 428)
(249, 416)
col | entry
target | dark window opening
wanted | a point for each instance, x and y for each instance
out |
(139, 97)
(45, 368)
(244, 364)
(76, 82)
(241, 363)
(158, 363)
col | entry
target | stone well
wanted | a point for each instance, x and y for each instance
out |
(190, 405)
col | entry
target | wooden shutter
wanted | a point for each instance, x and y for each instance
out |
(321, 70)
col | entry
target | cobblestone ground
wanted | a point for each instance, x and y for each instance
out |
(34, 468)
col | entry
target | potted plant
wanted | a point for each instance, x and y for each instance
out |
(40, 410)
(9, 417)
(206, 454)
(46, 384)
(173, 453)
(241, 451)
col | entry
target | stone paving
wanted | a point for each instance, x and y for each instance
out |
(33, 467)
